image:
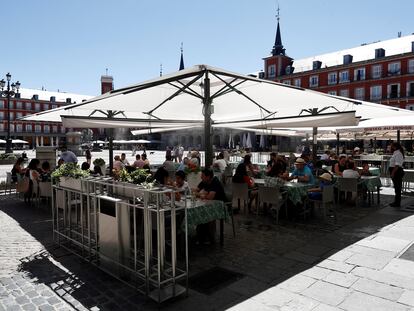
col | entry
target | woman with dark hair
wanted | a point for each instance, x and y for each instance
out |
(97, 171)
(161, 176)
(17, 169)
(241, 177)
(397, 171)
(88, 156)
(32, 173)
(250, 167)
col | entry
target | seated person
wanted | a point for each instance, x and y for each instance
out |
(326, 156)
(161, 176)
(85, 167)
(118, 165)
(318, 169)
(18, 170)
(272, 161)
(124, 159)
(45, 172)
(350, 172)
(365, 170)
(169, 164)
(241, 176)
(97, 171)
(316, 193)
(220, 163)
(209, 188)
(183, 165)
(138, 163)
(180, 185)
(302, 172)
(339, 167)
(277, 171)
(252, 169)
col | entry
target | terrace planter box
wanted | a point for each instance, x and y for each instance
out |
(71, 183)
(7, 161)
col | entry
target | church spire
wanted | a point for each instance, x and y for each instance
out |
(278, 47)
(182, 58)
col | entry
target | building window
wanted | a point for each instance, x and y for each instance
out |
(376, 71)
(37, 107)
(298, 82)
(393, 90)
(54, 106)
(360, 93)
(19, 128)
(394, 68)
(344, 76)
(62, 130)
(313, 81)
(359, 74)
(1, 115)
(29, 128)
(55, 129)
(332, 93)
(46, 128)
(12, 127)
(332, 78)
(11, 115)
(376, 92)
(344, 93)
(1, 127)
(38, 128)
(11, 104)
(271, 71)
(409, 107)
(410, 68)
(45, 106)
(19, 115)
(19, 105)
(286, 82)
(28, 106)
(410, 89)
(1, 103)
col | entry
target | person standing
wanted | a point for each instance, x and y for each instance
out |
(397, 171)
(88, 156)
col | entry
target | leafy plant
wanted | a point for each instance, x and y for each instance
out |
(69, 170)
(99, 162)
(140, 176)
(9, 156)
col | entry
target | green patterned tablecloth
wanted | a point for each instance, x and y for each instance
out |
(202, 212)
(371, 183)
(296, 191)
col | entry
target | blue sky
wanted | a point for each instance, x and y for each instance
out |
(67, 45)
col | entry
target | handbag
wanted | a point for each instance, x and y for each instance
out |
(23, 185)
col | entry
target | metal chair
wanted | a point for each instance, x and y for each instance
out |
(271, 196)
(240, 193)
(45, 190)
(328, 198)
(227, 174)
(228, 204)
(347, 185)
(9, 183)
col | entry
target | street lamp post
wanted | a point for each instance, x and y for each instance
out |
(11, 91)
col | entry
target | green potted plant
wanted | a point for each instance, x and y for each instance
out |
(101, 163)
(69, 175)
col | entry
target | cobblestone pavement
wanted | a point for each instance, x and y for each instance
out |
(301, 265)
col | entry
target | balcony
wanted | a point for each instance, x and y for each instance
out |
(394, 73)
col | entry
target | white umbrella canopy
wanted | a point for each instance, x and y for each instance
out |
(248, 140)
(2, 141)
(19, 141)
(244, 140)
(258, 101)
(391, 123)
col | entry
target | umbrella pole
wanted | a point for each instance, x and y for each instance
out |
(111, 150)
(207, 123)
(337, 143)
(315, 144)
(398, 136)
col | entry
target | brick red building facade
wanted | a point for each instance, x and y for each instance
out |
(381, 72)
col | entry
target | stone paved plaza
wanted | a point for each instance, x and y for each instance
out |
(301, 265)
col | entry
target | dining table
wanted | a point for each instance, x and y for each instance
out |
(296, 191)
(204, 211)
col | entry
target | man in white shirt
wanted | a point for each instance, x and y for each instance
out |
(220, 163)
(124, 160)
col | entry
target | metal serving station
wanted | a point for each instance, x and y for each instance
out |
(135, 234)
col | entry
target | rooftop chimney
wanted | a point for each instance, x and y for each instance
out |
(68, 100)
(52, 99)
(35, 97)
(348, 59)
(316, 64)
(379, 53)
(412, 46)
